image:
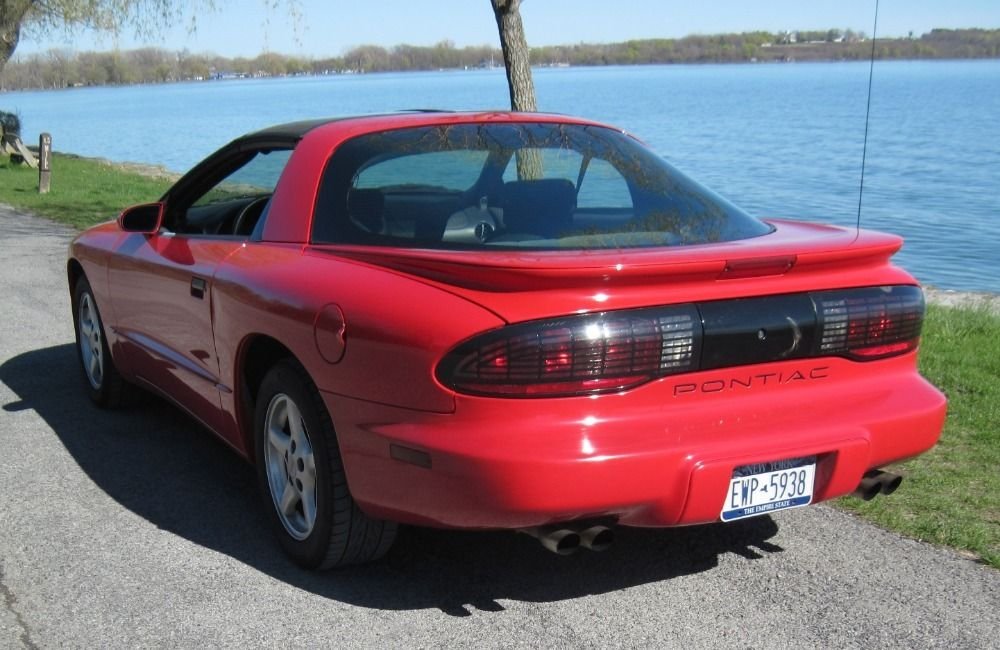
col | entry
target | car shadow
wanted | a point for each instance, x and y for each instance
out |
(159, 464)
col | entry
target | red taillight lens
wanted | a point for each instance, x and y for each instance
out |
(596, 353)
(870, 323)
(577, 355)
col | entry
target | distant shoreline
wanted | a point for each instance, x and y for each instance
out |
(58, 69)
(534, 67)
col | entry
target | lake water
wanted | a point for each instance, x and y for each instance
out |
(779, 140)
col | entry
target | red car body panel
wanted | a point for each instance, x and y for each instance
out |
(370, 326)
(650, 456)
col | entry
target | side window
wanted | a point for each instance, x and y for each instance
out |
(256, 177)
(235, 205)
(603, 187)
(555, 163)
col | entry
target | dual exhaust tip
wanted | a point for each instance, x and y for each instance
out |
(876, 482)
(566, 539)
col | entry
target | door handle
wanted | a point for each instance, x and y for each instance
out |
(198, 288)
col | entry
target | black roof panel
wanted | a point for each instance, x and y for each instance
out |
(297, 130)
(291, 130)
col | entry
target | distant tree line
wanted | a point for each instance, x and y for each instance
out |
(59, 68)
(828, 45)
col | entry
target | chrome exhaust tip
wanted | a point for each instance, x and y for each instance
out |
(890, 482)
(597, 538)
(876, 482)
(559, 540)
(868, 488)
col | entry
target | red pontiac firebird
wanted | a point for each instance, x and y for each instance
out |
(501, 320)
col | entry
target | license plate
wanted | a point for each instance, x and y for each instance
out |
(766, 487)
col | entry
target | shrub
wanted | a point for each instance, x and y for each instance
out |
(10, 122)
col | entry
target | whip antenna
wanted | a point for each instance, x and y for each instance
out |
(868, 110)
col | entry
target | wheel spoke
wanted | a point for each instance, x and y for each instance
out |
(308, 504)
(279, 440)
(289, 499)
(295, 427)
(95, 366)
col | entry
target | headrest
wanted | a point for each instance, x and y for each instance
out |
(540, 207)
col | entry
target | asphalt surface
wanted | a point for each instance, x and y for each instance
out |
(136, 528)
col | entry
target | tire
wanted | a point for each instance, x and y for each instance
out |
(302, 480)
(105, 385)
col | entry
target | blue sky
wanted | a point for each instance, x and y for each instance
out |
(330, 27)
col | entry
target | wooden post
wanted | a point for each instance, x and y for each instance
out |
(44, 162)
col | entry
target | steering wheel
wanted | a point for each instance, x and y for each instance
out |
(248, 216)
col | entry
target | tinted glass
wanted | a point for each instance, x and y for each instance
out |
(447, 170)
(605, 187)
(256, 177)
(234, 205)
(538, 186)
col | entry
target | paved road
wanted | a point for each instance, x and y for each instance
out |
(136, 528)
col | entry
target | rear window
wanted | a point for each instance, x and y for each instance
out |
(530, 185)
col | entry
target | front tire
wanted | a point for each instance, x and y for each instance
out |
(105, 385)
(302, 479)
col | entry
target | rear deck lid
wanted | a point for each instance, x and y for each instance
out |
(524, 285)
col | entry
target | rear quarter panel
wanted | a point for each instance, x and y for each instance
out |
(395, 328)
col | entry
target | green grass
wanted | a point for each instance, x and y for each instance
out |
(951, 494)
(83, 191)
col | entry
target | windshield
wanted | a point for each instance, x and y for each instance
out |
(532, 185)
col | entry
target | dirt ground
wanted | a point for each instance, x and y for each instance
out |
(950, 298)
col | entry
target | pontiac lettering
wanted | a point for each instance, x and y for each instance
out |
(753, 381)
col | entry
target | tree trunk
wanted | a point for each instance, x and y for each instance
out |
(11, 16)
(517, 60)
(516, 57)
(9, 36)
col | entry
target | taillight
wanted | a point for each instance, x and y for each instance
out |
(577, 355)
(613, 351)
(870, 323)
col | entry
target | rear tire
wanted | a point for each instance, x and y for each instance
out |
(105, 385)
(302, 480)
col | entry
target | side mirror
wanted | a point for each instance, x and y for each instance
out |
(146, 218)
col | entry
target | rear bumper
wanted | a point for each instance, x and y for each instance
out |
(659, 455)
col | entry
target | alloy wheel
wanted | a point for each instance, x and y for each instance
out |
(91, 346)
(291, 467)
